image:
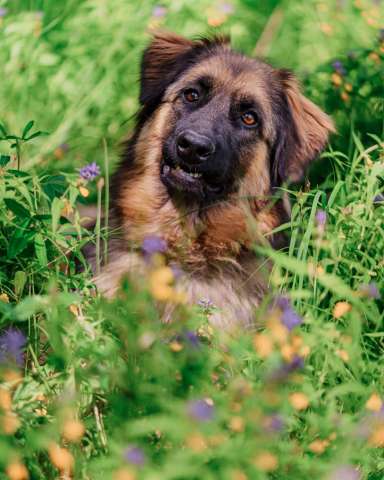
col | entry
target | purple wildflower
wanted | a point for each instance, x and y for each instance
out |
(176, 270)
(192, 338)
(134, 455)
(201, 410)
(289, 317)
(274, 423)
(205, 304)
(286, 369)
(226, 8)
(283, 303)
(153, 244)
(321, 218)
(159, 11)
(345, 472)
(338, 67)
(64, 147)
(379, 198)
(370, 290)
(3, 12)
(12, 343)
(90, 171)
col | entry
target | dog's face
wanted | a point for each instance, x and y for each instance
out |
(232, 124)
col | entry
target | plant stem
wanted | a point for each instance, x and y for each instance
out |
(106, 200)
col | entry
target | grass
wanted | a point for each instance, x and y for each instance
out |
(92, 388)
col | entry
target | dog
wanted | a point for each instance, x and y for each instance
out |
(217, 134)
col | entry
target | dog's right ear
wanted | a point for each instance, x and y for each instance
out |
(162, 61)
(165, 58)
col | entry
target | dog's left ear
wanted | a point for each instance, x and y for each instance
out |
(161, 61)
(165, 58)
(303, 131)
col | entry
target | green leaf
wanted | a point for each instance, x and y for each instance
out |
(3, 130)
(19, 173)
(20, 239)
(29, 306)
(17, 208)
(19, 282)
(38, 303)
(27, 128)
(54, 186)
(56, 208)
(36, 134)
(4, 160)
(41, 250)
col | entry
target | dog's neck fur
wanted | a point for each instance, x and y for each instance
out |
(211, 244)
(199, 236)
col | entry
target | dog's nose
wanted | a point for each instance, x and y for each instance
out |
(194, 147)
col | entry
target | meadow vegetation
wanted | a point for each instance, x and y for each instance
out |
(99, 389)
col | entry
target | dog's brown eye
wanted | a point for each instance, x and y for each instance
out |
(249, 119)
(191, 95)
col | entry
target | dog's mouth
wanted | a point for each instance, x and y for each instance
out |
(184, 179)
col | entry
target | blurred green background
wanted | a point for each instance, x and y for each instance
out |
(73, 65)
(97, 389)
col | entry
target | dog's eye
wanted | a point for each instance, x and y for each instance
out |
(249, 119)
(191, 95)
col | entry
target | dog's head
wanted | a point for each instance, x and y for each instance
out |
(227, 120)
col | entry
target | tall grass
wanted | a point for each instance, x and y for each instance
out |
(92, 388)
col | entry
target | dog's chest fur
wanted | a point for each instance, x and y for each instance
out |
(232, 290)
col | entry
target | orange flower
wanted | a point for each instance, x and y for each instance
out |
(278, 331)
(326, 28)
(5, 399)
(4, 298)
(299, 401)
(266, 461)
(17, 471)
(160, 283)
(377, 437)
(341, 308)
(84, 192)
(12, 376)
(67, 210)
(343, 354)
(344, 96)
(196, 442)
(61, 458)
(318, 446)
(374, 403)
(176, 346)
(336, 79)
(73, 430)
(236, 424)
(74, 309)
(124, 474)
(10, 423)
(263, 345)
(287, 352)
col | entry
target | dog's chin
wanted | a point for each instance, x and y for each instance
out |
(187, 183)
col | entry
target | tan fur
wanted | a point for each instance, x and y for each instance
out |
(212, 245)
(313, 127)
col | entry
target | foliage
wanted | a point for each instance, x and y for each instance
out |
(96, 388)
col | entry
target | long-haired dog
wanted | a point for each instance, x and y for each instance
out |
(216, 135)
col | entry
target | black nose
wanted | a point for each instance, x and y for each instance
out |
(194, 147)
